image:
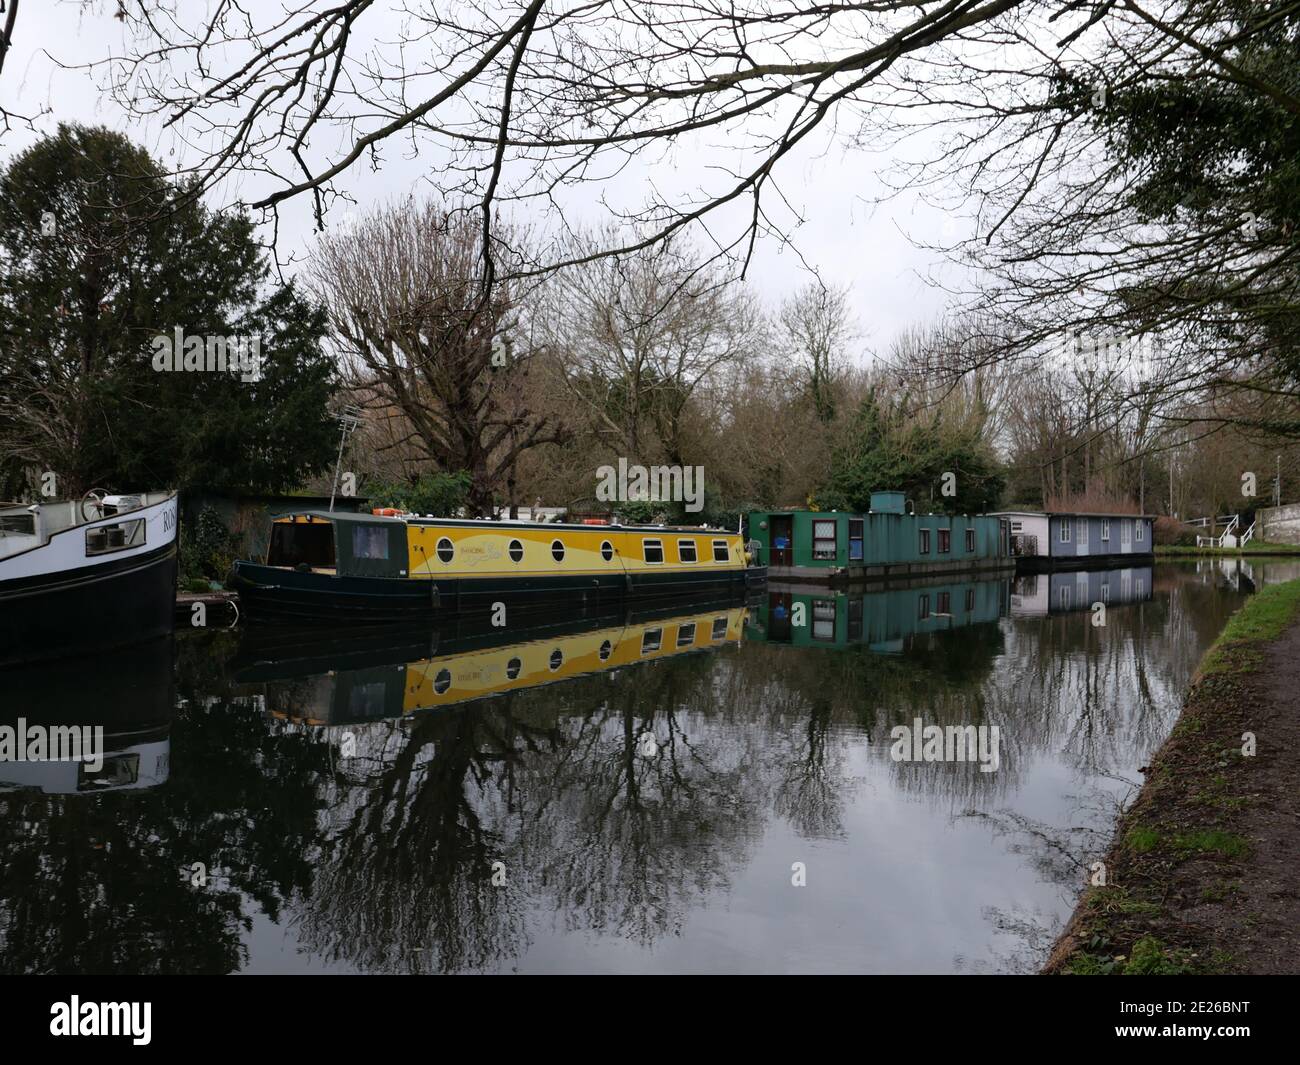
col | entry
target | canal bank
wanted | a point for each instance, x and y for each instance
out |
(1201, 875)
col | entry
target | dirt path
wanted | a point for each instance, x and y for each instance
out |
(1204, 872)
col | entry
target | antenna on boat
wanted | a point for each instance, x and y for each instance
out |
(348, 418)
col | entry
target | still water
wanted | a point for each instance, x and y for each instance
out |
(703, 787)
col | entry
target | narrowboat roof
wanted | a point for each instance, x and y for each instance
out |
(416, 519)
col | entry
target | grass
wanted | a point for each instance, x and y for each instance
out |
(1255, 547)
(1178, 840)
(1264, 617)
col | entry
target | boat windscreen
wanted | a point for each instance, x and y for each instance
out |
(302, 543)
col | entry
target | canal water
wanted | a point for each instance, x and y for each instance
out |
(693, 787)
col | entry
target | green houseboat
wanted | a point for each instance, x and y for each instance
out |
(886, 542)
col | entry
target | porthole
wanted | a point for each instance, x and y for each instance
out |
(442, 681)
(445, 550)
(512, 669)
(516, 551)
(557, 550)
(606, 550)
(606, 649)
(557, 659)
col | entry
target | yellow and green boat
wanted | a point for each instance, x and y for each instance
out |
(341, 567)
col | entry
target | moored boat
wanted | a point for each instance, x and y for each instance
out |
(86, 575)
(340, 567)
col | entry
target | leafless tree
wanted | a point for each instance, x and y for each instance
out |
(428, 340)
(815, 325)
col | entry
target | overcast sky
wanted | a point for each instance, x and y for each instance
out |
(846, 236)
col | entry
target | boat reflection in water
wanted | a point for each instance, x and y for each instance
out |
(322, 678)
(882, 619)
(1041, 594)
(127, 694)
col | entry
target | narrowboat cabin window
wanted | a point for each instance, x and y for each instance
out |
(652, 552)
(606, 649)
(925, 541)
(296, 544)
(442, 681)
(606, 550)
(1105, 529)
(720, 552)
(719, 629)
(370, 541)
(856, 526)
(557, 659)
(557, 550)
(105, 539)
(513, 668)
(1065, 530)
(446, 551)
(651, 640)
(686, 635)
(824, 547)
(516, 550)
(945, 541)
(970, 540)
(685, 550)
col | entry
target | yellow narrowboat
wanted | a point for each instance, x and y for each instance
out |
(341, 567)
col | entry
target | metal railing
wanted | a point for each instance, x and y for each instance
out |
(1217, 541)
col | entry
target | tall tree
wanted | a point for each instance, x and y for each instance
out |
(102, 256)
(428, 337)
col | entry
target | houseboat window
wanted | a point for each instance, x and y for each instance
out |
(1105, 528)
(557, 659)
(513, 668)
(686, 635)
(653, 551)
(945, 603)
(970, 539)
(970, 600)
(369, 541)
(301, 543)
(606, 550)
(823, 611)
(606, 649)
(442, 681)
(1017, 526)
(719, 629)
(651, 640)
(856, 526)
(923, 607)
(105, 539)
(1137, 531)
(824, 540)
(557, 550)
(446, 551)
(685, 550)
(1065, 530)
(516, 550)
(720, 552)
(945, 541)
(925, 541)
